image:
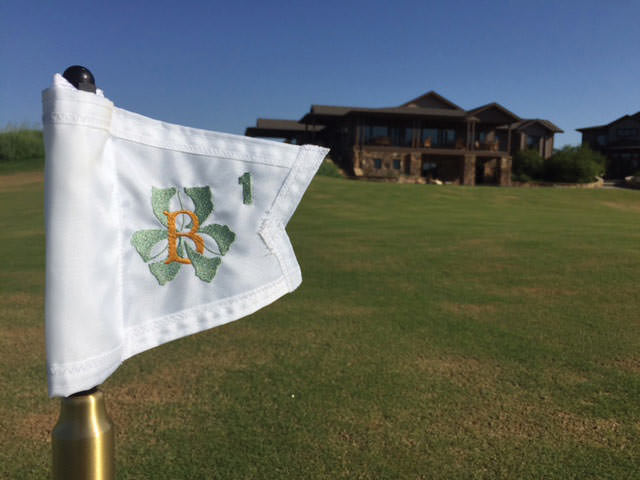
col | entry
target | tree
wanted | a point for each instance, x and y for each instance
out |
(527, 165)
(20, 145)
(574, 165)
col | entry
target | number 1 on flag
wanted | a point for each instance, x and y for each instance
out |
(247, 188)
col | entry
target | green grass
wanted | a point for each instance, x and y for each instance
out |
(26, 165)
(440, 332)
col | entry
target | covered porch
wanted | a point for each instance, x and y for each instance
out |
(453, 166)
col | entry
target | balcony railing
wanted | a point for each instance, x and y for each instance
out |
(458, 144)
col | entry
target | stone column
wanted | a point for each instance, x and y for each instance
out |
(469, 170)
(416, 165)
(357, 163)
(504, 164)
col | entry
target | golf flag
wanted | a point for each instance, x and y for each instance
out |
(155, 231)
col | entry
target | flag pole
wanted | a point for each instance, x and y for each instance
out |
(83, 440)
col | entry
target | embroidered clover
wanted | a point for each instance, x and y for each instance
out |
(183, 228)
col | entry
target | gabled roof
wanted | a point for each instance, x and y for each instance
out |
(429, 105)
(327, 112)
(278, 124)
(493, 105)
(635, 116)
(277, 128)
(524, 123)
(330, 110)
(550, 125)
(596, 127)
(431, 99)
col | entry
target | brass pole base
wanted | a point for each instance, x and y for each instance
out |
(83, 440)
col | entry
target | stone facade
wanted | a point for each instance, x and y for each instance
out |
(460, 169)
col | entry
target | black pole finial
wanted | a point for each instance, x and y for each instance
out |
(81, 78)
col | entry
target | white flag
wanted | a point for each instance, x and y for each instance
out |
(156, 231)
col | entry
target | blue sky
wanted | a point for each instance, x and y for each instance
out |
(220, 65)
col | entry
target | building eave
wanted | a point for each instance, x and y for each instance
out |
(482, 108)
(326, 113)
(635, 116)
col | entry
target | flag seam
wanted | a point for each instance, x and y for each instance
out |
(99, 362)
(273, 230)
(120, 219)
(302, 172)
(204, 151)
(244, 304)
(76, 119)
(120, 131)
(274, 236)
(190, 321)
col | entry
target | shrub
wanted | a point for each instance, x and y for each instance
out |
(329, 169)
(21, 145)
(574, 165)
(527, 165)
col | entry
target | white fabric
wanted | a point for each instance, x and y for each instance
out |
(103, 305)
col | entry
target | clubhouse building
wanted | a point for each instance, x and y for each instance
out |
(619, 141)
(425, 139)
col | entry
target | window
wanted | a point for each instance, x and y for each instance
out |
(601, 140)
(377, 163)
(429, 169)
(376, 135)
(533, 141)
(438, 137)
(396, 164)
(627, 132)
(386, 136)
(449, 137)
(401, 136)
(429, 137)
(408, 136)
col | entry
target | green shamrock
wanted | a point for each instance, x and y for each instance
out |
(150, 243)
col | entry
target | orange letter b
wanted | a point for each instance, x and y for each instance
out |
(174, 234)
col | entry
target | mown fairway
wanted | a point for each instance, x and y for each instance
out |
(440, 332)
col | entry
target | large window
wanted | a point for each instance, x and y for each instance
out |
(438, 137)
(448, 137)
(376, 135)
(401, 136)
(384, 135)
